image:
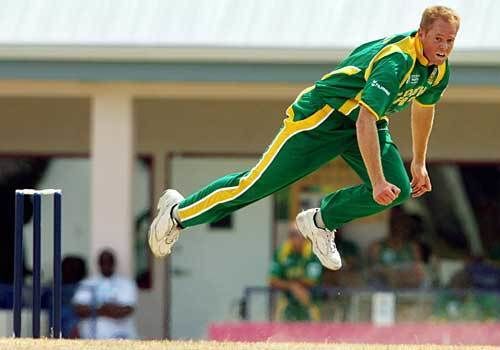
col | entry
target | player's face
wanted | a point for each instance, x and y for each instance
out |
(438, 41)
(297, 241)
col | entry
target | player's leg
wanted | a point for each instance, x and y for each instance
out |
(347, 204)
(299, 148)
(355, 202)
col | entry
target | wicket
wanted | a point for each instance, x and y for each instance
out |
(55, 326)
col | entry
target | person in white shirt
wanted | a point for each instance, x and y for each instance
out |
(106, 303)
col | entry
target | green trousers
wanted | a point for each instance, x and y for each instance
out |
(301, 147)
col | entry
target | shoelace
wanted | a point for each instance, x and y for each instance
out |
(333, 247)
(172, 238)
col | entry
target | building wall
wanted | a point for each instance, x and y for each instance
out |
(462, 131)
(44, 125)
(235, 126)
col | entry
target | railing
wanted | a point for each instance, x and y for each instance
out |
(360, 304)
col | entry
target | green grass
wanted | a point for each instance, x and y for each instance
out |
(45, 344)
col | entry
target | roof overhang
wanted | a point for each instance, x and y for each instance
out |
(207, 54)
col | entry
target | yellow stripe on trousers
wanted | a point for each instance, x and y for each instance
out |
(226, 194)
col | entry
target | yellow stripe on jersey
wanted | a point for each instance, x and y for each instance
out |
(419, 50)
(375, 114)
(287, 249)
(223, 195)
(350, 104)
(441, 71)
(349, 70)
(407, 45)
(423, 104)
(289, 111)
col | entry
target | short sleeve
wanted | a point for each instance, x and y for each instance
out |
(433, 94)
(83, 294)
(383, 83)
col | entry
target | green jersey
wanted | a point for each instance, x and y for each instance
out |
(290, 265)
(300, 266)
(383, 75)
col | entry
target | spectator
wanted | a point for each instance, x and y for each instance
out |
(396, 261)
(296, 271)
(74, 270)
(106, 303)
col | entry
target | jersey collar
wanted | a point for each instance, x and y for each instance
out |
(420, 51)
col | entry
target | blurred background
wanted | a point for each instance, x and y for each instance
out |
(114, 101)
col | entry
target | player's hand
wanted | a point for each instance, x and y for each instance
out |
(420, 183)
(384, 193)
(300, 293)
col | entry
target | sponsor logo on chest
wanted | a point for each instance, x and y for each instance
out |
(408, 95)
(414, 78)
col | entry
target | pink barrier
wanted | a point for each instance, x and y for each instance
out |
(408, 333)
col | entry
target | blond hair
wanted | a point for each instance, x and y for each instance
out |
(433, 13)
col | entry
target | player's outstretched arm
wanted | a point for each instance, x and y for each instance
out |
(422, 118)
(384, 193)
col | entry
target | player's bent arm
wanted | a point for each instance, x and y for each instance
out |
(279, 283)
(307, 283)
(422, 118)
(366, 131)
(115, 311)
(82, 311)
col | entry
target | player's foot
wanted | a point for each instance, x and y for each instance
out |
(164, 230)
(323, 240)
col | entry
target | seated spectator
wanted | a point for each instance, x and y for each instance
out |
(105, 303)
(296, 271)
(396, 262)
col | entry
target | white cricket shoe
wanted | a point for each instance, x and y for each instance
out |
(323, 240)
(164, 231)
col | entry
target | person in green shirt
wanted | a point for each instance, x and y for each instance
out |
(345, 113)
(396, 260)
(296, 271)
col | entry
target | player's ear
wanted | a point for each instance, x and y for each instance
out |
(421, 32)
